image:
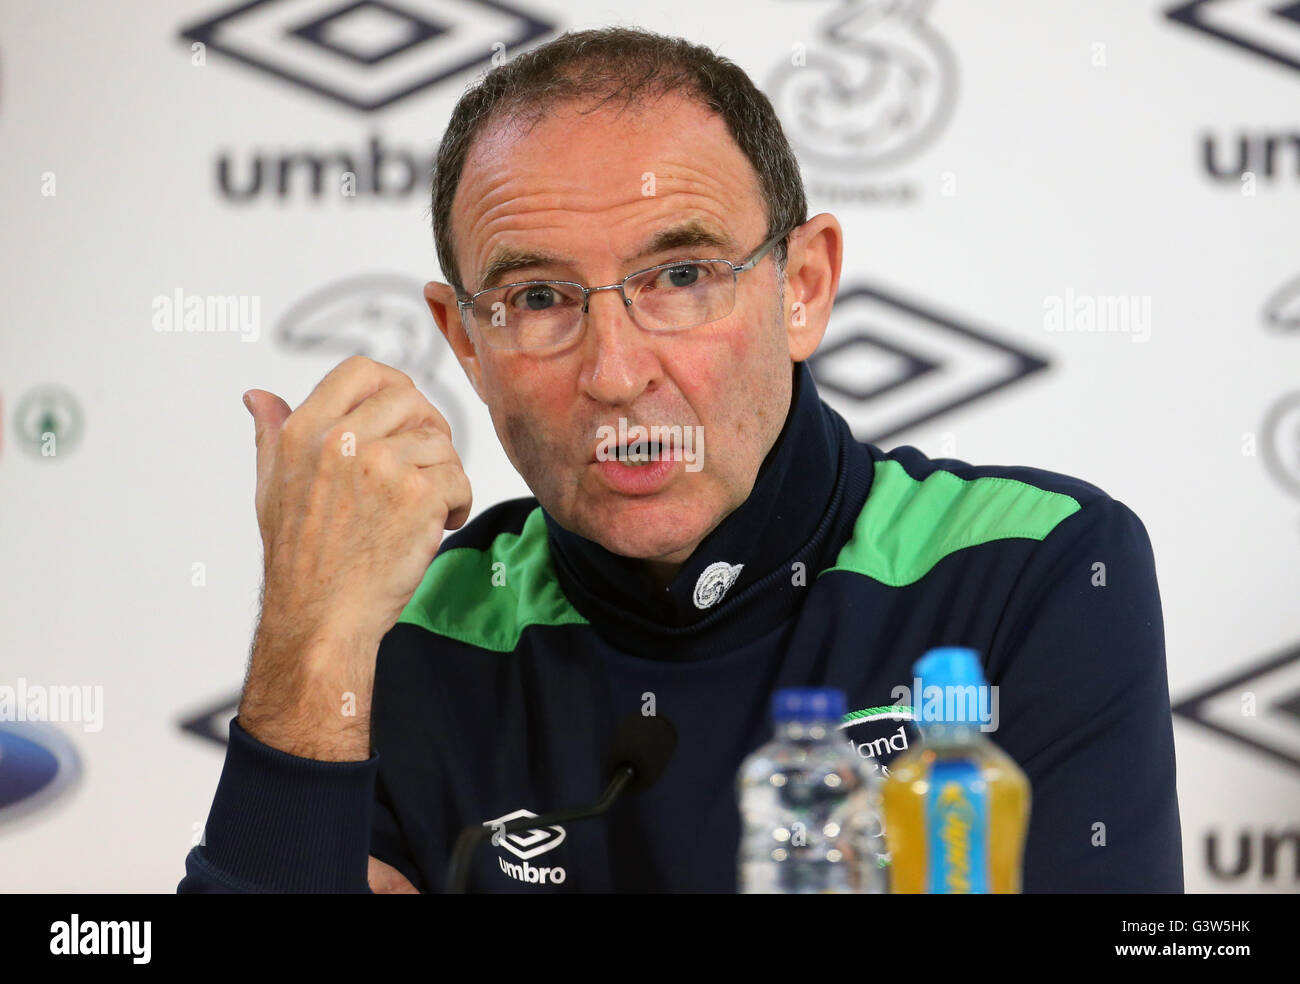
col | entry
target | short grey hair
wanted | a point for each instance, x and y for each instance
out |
(631, 64)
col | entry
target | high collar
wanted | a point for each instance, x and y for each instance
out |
(744, 577)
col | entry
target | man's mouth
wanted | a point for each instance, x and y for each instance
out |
(638, 466)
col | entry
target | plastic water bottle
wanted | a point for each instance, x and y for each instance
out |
(809, 810)
(956, 806)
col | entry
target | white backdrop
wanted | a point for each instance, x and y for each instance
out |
(1018, 161)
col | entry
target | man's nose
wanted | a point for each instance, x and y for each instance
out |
(618, 361)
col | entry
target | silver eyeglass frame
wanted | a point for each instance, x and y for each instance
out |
(465, 302)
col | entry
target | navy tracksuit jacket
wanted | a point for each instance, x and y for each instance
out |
(500, 688)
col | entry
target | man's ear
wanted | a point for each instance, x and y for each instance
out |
(812, 277)
(442, 302)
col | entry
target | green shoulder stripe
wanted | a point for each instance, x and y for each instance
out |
(908, 526)
(488, 597)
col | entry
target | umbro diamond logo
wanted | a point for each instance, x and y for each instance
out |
(526, 844)
(366, 54)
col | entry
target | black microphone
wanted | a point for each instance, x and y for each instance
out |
(642, 748)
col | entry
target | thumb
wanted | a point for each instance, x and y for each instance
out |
(269, 414)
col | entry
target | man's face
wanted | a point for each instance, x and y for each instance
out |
(591, 191)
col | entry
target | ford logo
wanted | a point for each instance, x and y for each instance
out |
(37, 765)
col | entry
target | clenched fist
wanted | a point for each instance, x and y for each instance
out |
(354, 491)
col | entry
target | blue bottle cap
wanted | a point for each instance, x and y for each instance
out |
(957, 672)
(808, 704)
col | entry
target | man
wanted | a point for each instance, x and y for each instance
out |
(626, 236)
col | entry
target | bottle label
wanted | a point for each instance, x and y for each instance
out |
(957, 830)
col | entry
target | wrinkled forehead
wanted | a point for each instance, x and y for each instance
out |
(599, 168)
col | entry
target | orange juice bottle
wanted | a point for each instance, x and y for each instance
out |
(956, 806)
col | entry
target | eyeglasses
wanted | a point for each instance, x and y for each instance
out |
(544, 314)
